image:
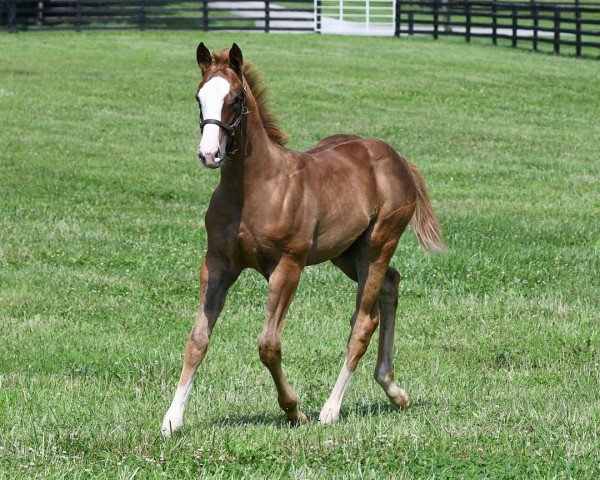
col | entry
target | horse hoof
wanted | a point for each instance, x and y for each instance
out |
(404, 400)
(328, 415)
(299, 420)
(401, 400)
(170, 425)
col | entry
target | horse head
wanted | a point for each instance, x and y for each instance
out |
(221, 97)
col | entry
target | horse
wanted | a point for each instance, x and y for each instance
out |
(348, 201)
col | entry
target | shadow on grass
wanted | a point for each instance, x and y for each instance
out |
(381, 408)
(278, 421)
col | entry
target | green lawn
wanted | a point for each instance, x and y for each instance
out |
(101, 237)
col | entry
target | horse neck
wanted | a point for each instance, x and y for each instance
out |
(256, 158)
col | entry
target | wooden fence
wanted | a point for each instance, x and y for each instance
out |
(530, 24)
(21, 15)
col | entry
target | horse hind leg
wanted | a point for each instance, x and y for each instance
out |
(367, 263)
(370, 275)
(384, 371)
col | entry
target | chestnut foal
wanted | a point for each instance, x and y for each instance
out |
(275, 210)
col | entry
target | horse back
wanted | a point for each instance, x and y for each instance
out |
(369, 170)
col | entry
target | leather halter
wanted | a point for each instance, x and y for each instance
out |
(230, 129)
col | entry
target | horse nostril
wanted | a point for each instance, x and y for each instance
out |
(218, 154)
(201, 157)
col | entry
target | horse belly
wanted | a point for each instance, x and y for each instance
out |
(332, 241)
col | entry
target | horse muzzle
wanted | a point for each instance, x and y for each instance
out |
(211, 160)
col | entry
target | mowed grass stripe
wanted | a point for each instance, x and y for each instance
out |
(101, 237)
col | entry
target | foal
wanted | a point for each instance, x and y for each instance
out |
(275, 210)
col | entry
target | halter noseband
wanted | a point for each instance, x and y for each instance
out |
(230, 129)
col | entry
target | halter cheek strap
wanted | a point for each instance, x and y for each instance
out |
(224, 126)
(230, 129)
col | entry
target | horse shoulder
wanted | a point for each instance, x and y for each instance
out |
(282, 216)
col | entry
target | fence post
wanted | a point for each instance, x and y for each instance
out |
(267, 16)
(142, 15)
(397, 14)
(577, 30)
(536, 21)
(468, 24)
(411, 22)
(205, 15)
(436, 21)
(78, 17)
(318, 16)
(556, 31)
(514, 26)
(40, 14)
(12, 16)
(494, 23)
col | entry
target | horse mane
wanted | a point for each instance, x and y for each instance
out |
(260, 92)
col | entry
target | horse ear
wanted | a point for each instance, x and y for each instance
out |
(236, 61)
(203, 57)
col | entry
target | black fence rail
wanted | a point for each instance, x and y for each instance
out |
(533, 23)
(27, 15)
(557, 27)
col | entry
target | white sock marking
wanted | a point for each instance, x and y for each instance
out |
(331, 410)
(173, 420)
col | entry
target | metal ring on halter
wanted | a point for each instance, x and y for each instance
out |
(230, 129)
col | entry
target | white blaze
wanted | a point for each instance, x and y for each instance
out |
(211, 96)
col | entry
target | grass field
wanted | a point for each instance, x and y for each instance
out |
(101, 237)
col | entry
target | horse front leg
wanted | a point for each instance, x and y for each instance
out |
(216, 276)
(282, 286)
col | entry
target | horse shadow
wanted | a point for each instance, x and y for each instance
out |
(276, 420)
(379, 408)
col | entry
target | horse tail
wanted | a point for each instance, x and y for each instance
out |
(424, 222)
